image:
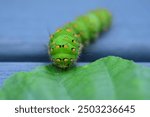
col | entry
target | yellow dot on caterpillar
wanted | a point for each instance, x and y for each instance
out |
(73, 49)
(58, 30)
(68, 30)
(73, 41)
(65, 60)
(57, 46)
(51, 36)
(65, 46)
(58, 60)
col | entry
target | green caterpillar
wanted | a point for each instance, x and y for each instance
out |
(66, 43)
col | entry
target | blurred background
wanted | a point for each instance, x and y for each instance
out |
(26, 24)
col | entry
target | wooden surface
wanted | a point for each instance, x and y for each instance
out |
(26, 24)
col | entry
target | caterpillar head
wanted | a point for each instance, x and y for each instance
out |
(64, 50)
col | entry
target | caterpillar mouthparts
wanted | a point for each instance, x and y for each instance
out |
(66, 43)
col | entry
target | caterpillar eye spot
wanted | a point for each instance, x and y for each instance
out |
(73, 49)
(68, 30)
(65, 46)
(65, 60)
(58, 60)
(58, 46)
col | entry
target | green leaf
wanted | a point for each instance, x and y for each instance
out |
(107, 78)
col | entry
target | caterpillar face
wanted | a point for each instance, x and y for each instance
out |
(64, 48)
(66, 43)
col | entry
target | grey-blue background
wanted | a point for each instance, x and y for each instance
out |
(26, 24)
